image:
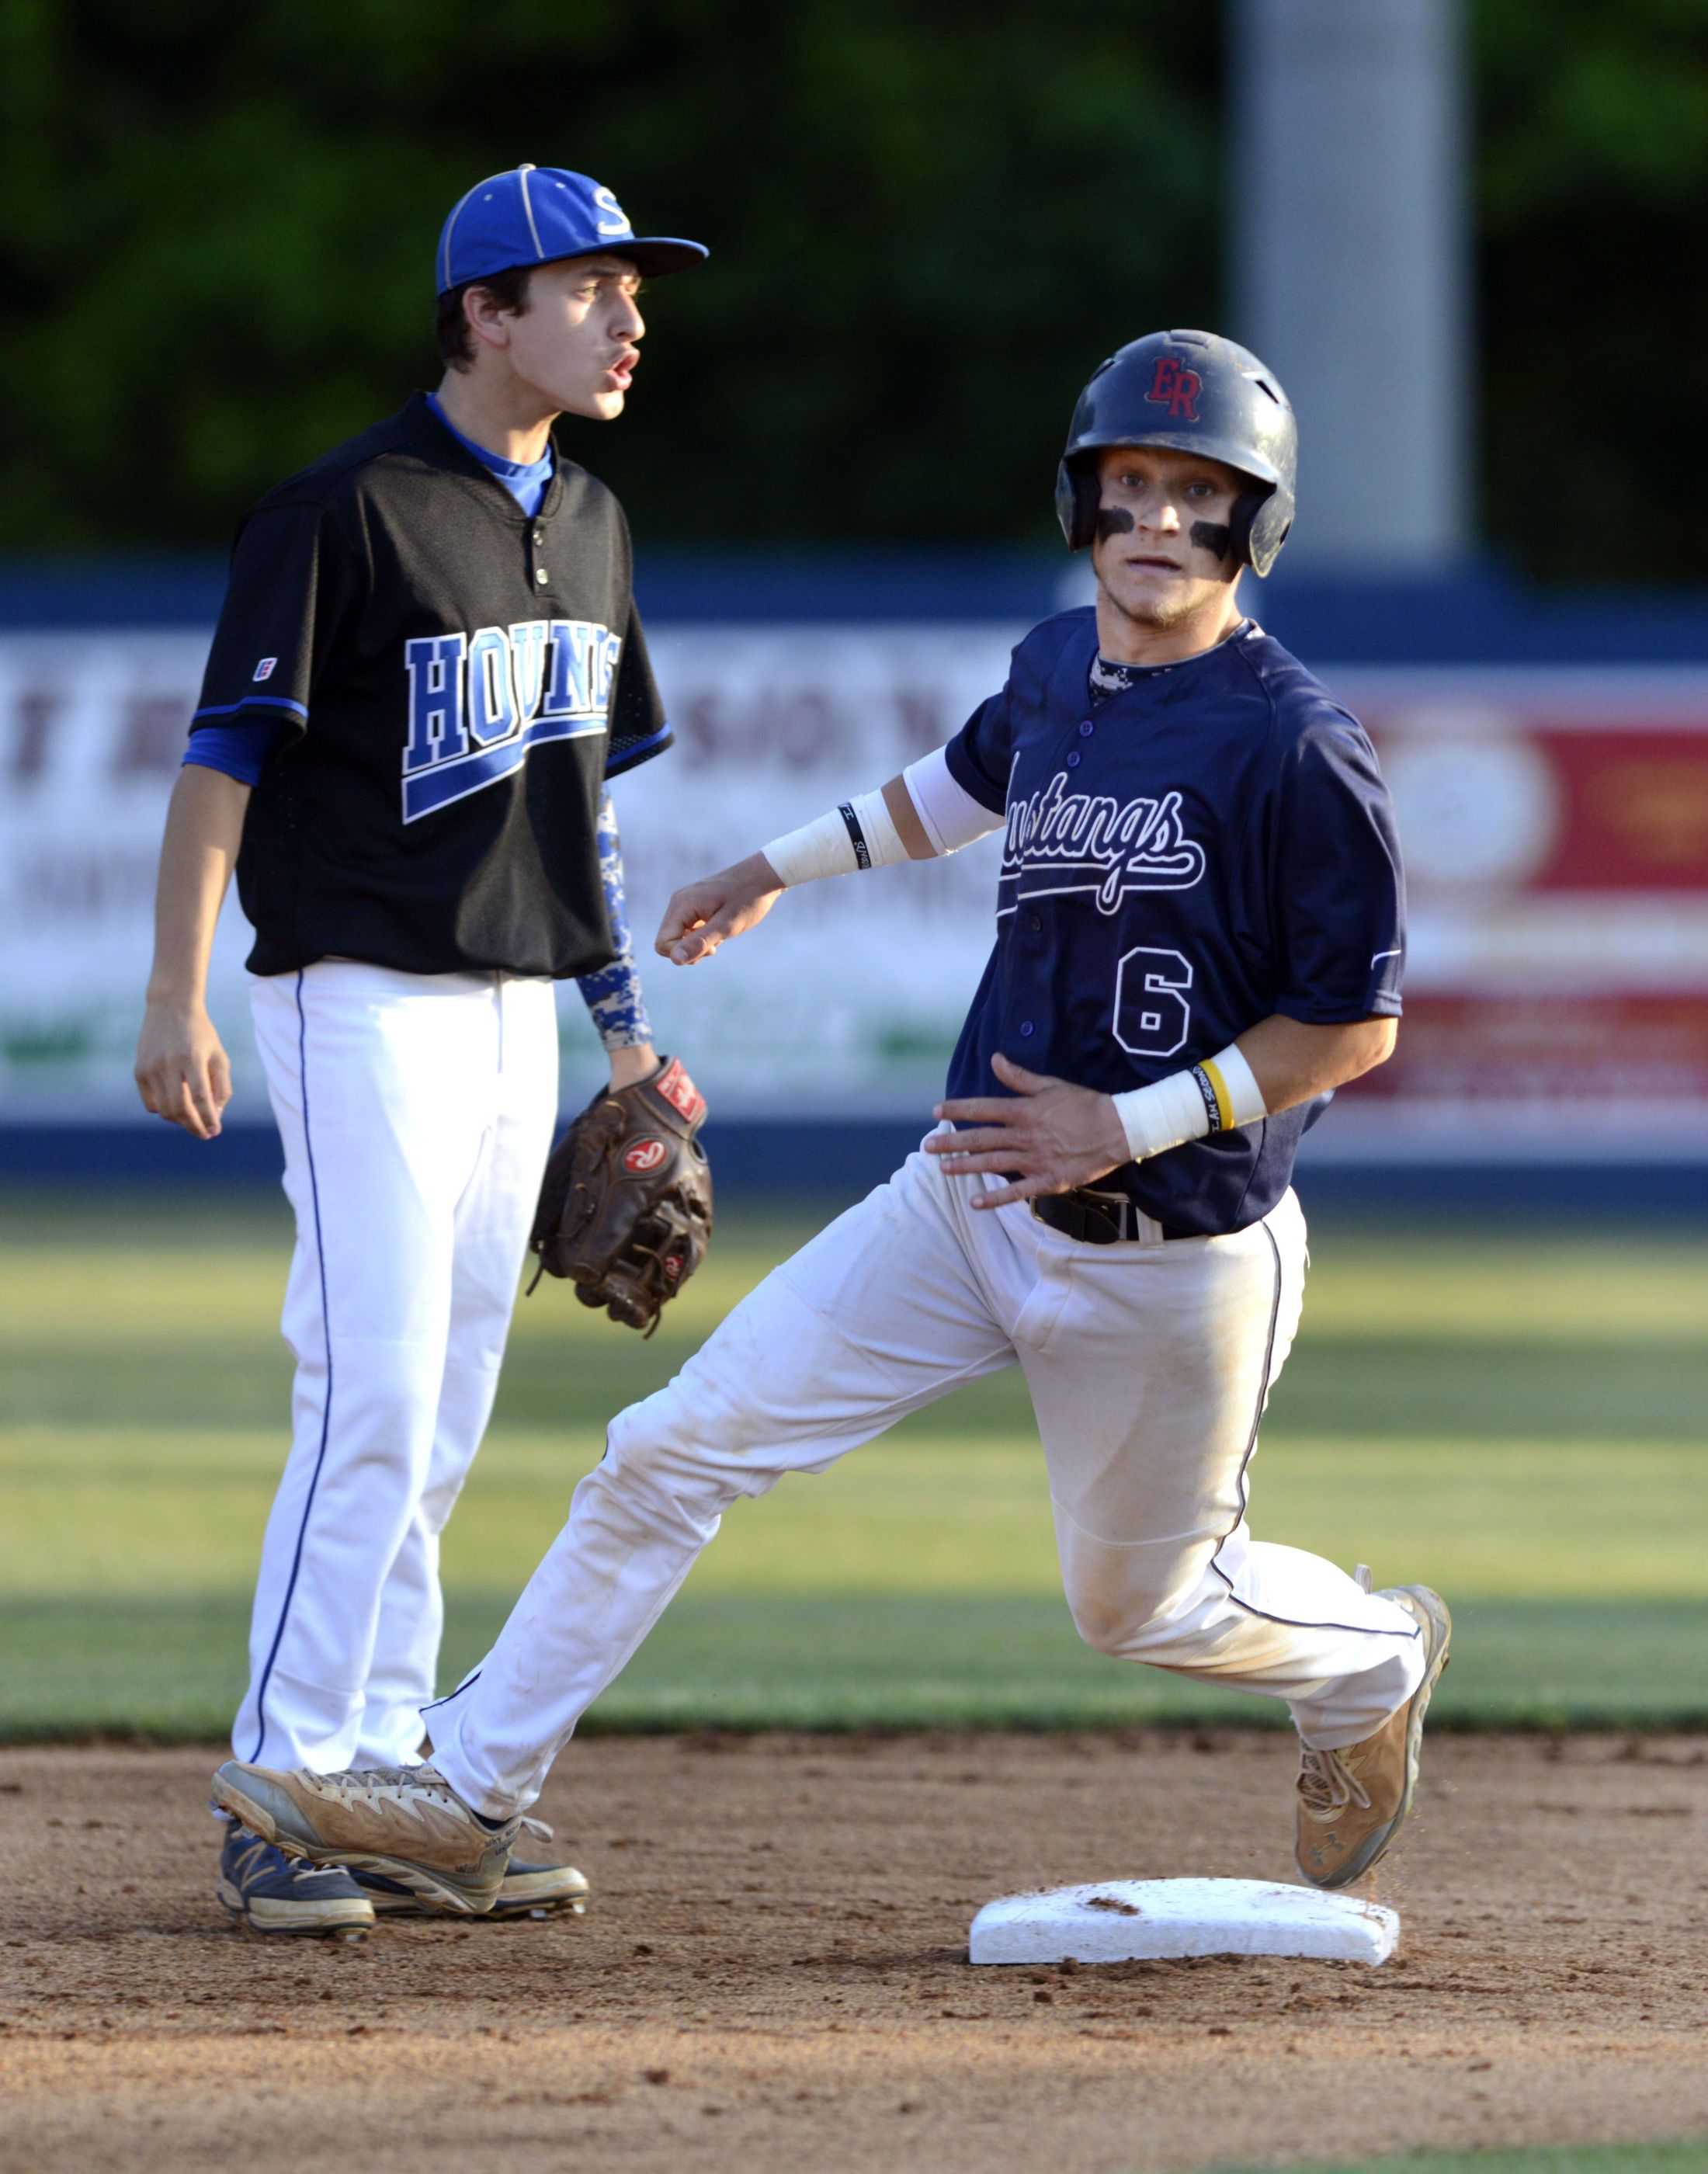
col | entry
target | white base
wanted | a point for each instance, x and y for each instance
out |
(1119, 1921)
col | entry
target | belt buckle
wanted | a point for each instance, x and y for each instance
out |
(1112, 1209)
(1102, 1216)
(1089, 1219)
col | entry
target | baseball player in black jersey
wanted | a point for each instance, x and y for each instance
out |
(1200, 932)
(428, 663)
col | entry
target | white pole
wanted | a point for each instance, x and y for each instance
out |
(1349, 273)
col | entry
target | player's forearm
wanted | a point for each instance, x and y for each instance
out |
(1293, 1063)
(917, 816)
(204, 828)
(617, 1006)
(898, 806)
(1273, 1067)
(612, 995)
(872, 830)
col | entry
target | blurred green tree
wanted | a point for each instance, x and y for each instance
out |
(1593, 192)
(216, 231)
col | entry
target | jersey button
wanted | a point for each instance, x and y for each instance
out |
(540, 577)
(1027, 1027)
(1086, 728)
(1037, 923)
(539, 538)
(1073, 759)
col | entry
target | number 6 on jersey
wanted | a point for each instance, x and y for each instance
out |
(1152, 1016)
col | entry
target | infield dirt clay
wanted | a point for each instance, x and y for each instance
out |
(772, 1975)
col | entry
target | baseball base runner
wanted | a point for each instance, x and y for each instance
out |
(1200, 933)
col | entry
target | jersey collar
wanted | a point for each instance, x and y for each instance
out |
(441, 448)
(1071, 679)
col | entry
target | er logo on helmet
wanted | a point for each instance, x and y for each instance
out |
(644, 1156)
(1176, 388)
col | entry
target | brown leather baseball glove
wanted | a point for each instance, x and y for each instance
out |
(625, 1208)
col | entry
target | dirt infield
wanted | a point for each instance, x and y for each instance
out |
(773, 1976)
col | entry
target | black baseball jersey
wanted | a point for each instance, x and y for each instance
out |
(462, 676)
(1211, 844)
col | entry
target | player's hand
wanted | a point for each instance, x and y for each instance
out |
(1053, 1135)
(182, 1072)
(703, 915)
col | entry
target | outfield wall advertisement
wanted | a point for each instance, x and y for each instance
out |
(1555, 828)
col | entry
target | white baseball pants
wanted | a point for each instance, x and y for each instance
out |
(1148, 1363)
(417, 1112)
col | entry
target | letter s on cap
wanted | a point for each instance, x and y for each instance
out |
(616, 222)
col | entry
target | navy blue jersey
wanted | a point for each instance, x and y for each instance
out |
(1209, 845)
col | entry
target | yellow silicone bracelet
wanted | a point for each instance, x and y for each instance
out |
(1224, 1100)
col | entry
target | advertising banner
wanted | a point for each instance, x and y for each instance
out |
(1556, 829)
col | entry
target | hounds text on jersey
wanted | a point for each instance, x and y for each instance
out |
(1059, 841)
(479, 702)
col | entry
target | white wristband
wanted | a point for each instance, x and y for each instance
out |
(1157, 1117)
(861, 833)
(1219, 1095)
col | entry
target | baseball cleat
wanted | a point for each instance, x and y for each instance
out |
(1351, 1802)
(269, 1892)
(527, 1889)
(405, 1822)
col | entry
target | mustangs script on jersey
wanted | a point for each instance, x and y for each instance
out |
(478, 703)
(1059, 841)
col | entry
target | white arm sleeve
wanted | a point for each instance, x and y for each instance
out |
(861, 833)
(949, 814)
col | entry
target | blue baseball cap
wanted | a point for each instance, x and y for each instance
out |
(535, 215)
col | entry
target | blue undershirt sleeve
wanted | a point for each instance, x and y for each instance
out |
(612, 995)
(240, 750)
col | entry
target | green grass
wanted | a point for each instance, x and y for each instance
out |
(171, 1666)
(1685, 2158)
(1518, 1422)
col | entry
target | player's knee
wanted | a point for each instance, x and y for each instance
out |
(1131, 1632)
(1108, 1628)
(385, 1422)
(1125, 1601)
(636, 1451)
(656, 1447)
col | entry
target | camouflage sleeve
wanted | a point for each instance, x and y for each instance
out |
(612, 995)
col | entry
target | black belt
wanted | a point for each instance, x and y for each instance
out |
(1100, 1219)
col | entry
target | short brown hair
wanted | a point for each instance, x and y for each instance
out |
(509, 291)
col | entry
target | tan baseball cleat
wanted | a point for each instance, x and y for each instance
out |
(1351, 1802)
(527, 1890)
(405, 1822)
